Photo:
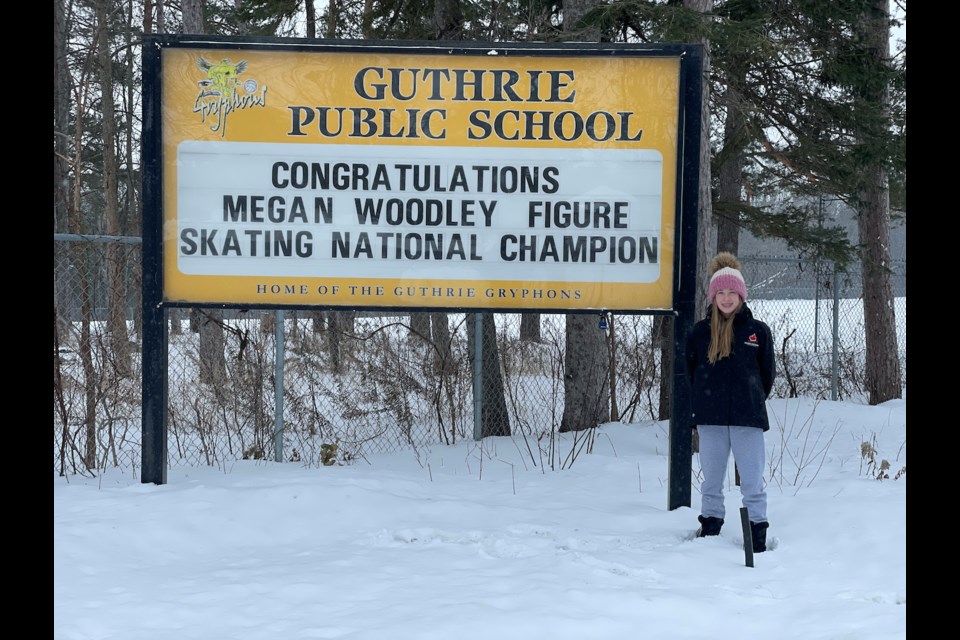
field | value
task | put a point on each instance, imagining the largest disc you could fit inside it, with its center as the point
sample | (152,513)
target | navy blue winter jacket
(732,391)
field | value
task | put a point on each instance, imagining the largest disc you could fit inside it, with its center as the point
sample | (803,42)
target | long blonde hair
(721,333)
(721,327)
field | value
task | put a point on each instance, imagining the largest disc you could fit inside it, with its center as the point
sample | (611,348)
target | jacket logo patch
(752,341)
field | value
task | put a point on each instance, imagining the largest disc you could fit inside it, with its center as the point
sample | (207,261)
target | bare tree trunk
(62,86)
(268,322)
(705,248)
(447,20)
(75,225)
(420,324)
(730,188)
(333,14)
(573,12)
(585,375)
(445,369)
(133,199)
(61,119)
(176,321)
(494,418)
(193,16)
(333,341)
(311,12)
(213,365)
(148,16)
(89,372)
(530,327)
(116,311)
(443,357)
(883,377)
(348,321)
(62,414)
(340,324)
(367,18)
(662,334)
(294,317)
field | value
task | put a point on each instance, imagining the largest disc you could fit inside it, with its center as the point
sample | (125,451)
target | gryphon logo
(221,92)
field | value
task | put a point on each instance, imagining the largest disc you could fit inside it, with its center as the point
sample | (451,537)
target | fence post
(836,335)
(816,306)
(279,350)
(478,376)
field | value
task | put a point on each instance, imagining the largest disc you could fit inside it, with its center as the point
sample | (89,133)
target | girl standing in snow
(731,368)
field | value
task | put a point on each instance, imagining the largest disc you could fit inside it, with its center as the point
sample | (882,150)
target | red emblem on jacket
(753,337)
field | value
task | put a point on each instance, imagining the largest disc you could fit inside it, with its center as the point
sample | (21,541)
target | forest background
(804,101)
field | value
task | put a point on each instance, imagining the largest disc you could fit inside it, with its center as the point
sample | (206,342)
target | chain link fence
(350,385)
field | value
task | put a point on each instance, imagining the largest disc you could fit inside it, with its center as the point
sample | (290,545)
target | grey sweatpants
(716,443)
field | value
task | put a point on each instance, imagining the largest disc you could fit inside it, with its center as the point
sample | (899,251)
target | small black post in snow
(747,537)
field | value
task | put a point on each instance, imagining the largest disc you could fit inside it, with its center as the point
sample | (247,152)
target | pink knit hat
(726,275)
(727,278)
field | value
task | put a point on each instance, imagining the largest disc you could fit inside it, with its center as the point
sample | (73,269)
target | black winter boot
(758,531)
(709,526)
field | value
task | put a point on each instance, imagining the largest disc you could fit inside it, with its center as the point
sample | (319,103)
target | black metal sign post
(685,288)
(153,450)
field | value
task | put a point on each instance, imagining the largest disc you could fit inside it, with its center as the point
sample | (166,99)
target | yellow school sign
(417,176)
